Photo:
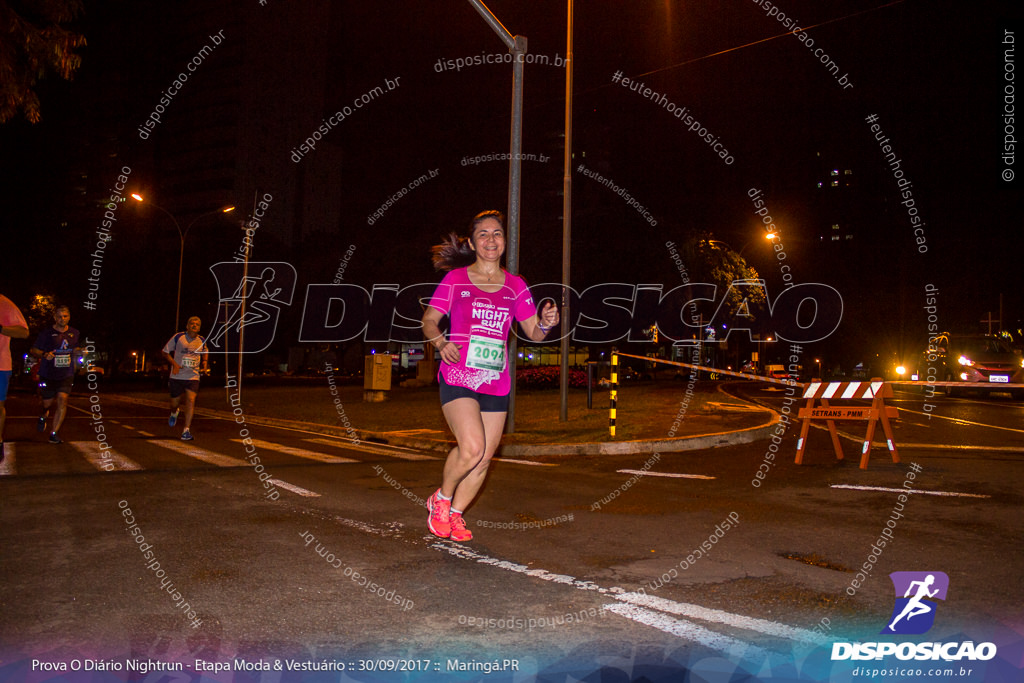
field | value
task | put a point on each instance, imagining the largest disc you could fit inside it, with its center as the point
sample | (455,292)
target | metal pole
(517,45)
(492,21)
(181,260)
(563,384)
(227,358)
(241,317)
(514,176)
(590,384)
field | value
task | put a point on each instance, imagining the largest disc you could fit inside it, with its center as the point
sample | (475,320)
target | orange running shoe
(439,520)
(459,532)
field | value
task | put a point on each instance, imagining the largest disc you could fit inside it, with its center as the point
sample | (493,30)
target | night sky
(932,73)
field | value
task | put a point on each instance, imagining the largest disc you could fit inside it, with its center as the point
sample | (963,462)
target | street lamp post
(517,45)
(181,234)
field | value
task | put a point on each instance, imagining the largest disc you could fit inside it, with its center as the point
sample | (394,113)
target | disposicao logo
(916,595)
(914,613)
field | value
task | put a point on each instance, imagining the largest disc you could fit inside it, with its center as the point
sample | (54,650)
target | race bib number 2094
(486,354)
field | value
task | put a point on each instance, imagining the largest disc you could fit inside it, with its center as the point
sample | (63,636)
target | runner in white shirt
(187,353)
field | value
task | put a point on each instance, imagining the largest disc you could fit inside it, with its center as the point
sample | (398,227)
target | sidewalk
(650,416)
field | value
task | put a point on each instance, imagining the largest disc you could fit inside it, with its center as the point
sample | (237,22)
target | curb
(676,444)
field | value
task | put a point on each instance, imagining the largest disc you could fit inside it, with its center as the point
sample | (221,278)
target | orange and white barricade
(825,392)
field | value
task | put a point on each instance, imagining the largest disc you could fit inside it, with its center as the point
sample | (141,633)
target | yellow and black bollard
(614,394)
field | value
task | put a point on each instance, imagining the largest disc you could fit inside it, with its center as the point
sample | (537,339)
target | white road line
(526,462)
(928,493)
(736,407)
(200,453)
(683,609)
(125,426)
(963,447)
(90,450)
(293,488)
(964,422)
(390,530)
(297,452)
(146,434)
(636,602)
(648,473)
(467,554)
(382,449)
(8,467)
(688,630)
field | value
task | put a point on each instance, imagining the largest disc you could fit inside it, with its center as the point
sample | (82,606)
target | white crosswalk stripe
(114,460)
(298,452)
(104,459)
(380,449)
(198,453)
(225,461)
(8,466)
(294,489)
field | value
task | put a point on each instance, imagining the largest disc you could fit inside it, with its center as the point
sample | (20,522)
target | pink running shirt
(9,316)
(479,324)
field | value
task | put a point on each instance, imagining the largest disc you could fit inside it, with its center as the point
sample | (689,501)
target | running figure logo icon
(916,595)
(250,304)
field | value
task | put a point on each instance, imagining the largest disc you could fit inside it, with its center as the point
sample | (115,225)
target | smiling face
(488,240)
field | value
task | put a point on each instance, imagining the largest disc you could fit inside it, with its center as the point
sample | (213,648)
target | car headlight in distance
(964,360)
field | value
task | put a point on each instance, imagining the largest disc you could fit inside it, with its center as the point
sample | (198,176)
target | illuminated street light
(181,233)
(768,236)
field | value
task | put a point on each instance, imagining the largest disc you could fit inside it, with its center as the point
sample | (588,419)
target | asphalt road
(647,563)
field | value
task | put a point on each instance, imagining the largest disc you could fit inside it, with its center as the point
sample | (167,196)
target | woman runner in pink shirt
(480,300)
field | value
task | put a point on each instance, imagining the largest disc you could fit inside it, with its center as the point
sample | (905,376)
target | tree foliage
(714,262)
(40,312)
(35,43)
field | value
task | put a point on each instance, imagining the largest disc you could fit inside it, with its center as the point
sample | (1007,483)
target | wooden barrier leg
(801,445)
(887,428)
(833,432)
(865,453)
